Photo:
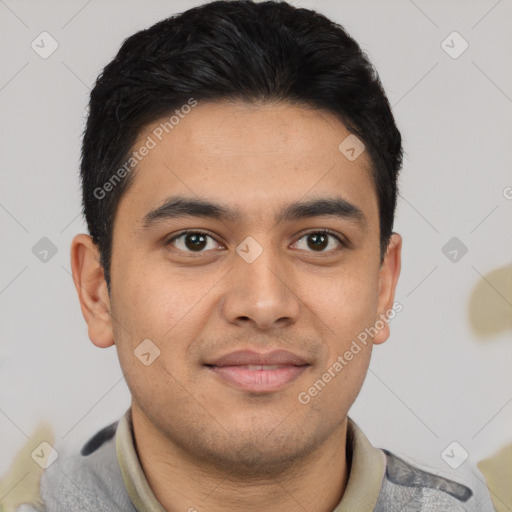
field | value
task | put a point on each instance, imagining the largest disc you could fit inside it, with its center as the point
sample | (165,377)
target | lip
(251,357)
(245,369)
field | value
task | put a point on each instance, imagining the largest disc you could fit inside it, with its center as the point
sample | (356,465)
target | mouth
(257,372)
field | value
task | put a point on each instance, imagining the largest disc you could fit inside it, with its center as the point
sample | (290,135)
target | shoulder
(419,490)
(90,480)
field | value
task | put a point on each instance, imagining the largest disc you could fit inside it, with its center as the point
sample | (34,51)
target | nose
(262,292)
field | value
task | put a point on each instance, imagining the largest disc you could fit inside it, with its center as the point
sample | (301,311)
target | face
(270,276)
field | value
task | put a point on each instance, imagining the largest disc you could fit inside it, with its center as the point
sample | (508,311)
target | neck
(315,483)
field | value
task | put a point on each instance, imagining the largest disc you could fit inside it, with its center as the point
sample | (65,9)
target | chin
(257,454)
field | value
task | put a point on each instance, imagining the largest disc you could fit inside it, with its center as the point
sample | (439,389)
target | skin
(202,442)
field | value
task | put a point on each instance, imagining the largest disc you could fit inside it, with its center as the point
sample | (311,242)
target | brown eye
(192,241)
(195,241)
(319,241)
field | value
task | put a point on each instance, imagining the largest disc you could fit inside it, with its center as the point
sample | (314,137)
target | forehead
(251,157)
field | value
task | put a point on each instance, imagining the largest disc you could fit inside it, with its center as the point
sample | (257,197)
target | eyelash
(343,244)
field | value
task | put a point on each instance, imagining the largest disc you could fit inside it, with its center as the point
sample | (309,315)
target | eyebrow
(178,206)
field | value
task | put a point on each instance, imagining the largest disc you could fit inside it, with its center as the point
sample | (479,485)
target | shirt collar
(134,479)
(367,466)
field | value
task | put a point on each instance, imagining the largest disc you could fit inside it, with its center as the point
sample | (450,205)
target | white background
(443,376)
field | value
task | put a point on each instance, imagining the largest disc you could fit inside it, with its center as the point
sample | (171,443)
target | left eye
(319,240)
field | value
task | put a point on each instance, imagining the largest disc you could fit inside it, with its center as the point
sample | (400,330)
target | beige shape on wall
(490,305)
(21,482)
(497,471)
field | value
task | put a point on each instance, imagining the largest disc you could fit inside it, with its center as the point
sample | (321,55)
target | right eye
(192,241)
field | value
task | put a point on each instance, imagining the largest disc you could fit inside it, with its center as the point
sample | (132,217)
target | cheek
(163,305)
(347,307)
(346,301)
(153,306)
(151,297)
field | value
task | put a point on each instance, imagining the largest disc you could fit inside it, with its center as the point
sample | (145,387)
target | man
(239,173)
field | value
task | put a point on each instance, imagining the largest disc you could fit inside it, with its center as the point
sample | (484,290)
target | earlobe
(92,290)
(388,279)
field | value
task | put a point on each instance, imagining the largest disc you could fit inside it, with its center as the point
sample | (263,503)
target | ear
(388,278)
(92,290)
